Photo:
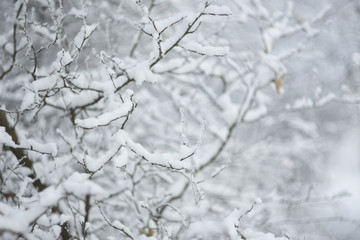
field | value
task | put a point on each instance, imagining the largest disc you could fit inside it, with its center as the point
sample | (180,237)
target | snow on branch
(217,10)
(19,221)
(105,119)
(80,185)
(141,73)
(28,144)
(206,50)
(82,37)
(167,160)
(229,227)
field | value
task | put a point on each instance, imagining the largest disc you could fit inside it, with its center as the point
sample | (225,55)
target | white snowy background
(169,119)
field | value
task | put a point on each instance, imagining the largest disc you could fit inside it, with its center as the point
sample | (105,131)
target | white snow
(50,196)
(6,139)
(105,118)
(217,10)
(48,148)
(75,100)
(94,164)
(167,22)
(206,50)
(82,37)
(230,223)
(56,229)
(63,58)
(169,160)
(41,84)
(143,73)
(122,159)
(64,218)
(9,47)
(19,220)
(119,225)
(44,83)
(80,185)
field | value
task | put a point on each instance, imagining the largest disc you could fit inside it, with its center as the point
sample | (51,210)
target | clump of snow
(63,58)
(82,37)
(44,83)
(80,185)
(64,218)
(50,196)
(122,159)
(49,148)
(206,50)
(9,47)
(5,138)
(105,118)
(94,164)
(20,221)
(75,100)
(175,160)
(41,84)
(56,229)
(28,100)
(217,10)
(231,222)
(142,73)
(129,92)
